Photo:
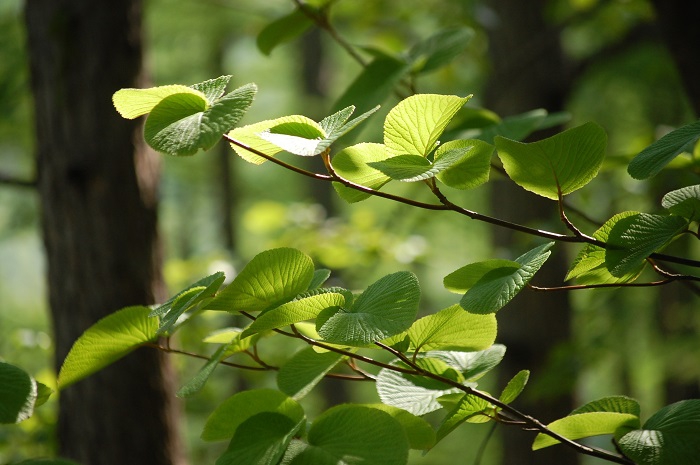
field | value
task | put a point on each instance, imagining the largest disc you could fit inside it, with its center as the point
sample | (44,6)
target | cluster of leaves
(437,359)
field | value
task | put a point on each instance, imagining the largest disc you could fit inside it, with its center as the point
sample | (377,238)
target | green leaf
(565,162)
(472,365)
(463,279)
(669,437)
(235,343)
(684,202)
(419,432)
(387,307)
(303,139)
(213,89)
(491,291)
(652,159)
(223,423)
(470,169)
(520,126)
(304,370)
(416,394)
(181,124)
(270,278)
(283,30)
(105,342)
(188,299)
(202,283)
(469,407)
(406,168)
(320,277)
(632,239)
(439,49)
(250,137)
(295,311)
(453,329)
(514,387)
(260,440)
(196,384)
(584,425)
(354,434)
(337,124)
(619,404)
(416,123)
(43,392)
(374,84)
(18,394)
(352,164)
(589,265)
(132,103)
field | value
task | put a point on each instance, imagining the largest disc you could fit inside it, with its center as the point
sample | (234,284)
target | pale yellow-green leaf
(132,103)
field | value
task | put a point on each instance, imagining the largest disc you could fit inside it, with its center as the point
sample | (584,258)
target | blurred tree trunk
(97,185)
(528,73)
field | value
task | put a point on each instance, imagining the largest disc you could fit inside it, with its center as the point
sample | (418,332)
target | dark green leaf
(18,394)
(652,159)
(283,30)
(635,237)
(304,370)
(520,126)
(196,384)
(439,49)
(684,202)
(419,432)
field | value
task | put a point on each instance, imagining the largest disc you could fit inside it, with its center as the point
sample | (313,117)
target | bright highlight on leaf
(684,202)
(353,164)
(271,277)
(453,329)
(105,342)
(132,103)
(416,123)
(562,163)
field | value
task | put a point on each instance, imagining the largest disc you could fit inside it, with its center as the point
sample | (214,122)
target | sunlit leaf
(105,342)
(562,163)
(472,365)
(416,123)
(470,169)
(514,387)
(132,103)
(352,163)
(188,299)
(453,329)
(271,277)
(469,407)
(584,425)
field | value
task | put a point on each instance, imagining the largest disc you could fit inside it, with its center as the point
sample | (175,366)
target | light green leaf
(320,277)
(43,392)
(387,307)
(283,30)
(416,123)
(498,286)
(619,404)
(652,159)
(632,239)
(419,432)
(213,89)
(336,125)
(301,139)
(585,425)
(406,168)
(684,202)
(270,278)
(463,279)
(260,440)
(250,136)
(181,124)
(589,265)
(105,342)
(132,103)
(223,423)
(453,329)
(470,169)
(295,311)
(354,434)
(304,370)
(514,387)
(469,407)
(202,283)
(188,299)
(235,343)
(439,49)
(565,162)
(375,83)
(472,365)
(669,437)
(352,164)
(18,394)
(416,394)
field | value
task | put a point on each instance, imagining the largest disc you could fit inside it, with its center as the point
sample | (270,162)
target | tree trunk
(97,185)
(529,73)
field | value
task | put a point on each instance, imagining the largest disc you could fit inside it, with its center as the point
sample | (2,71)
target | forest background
(611,66)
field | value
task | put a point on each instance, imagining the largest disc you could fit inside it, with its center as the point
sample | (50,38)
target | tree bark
(529,72)
(97,185)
